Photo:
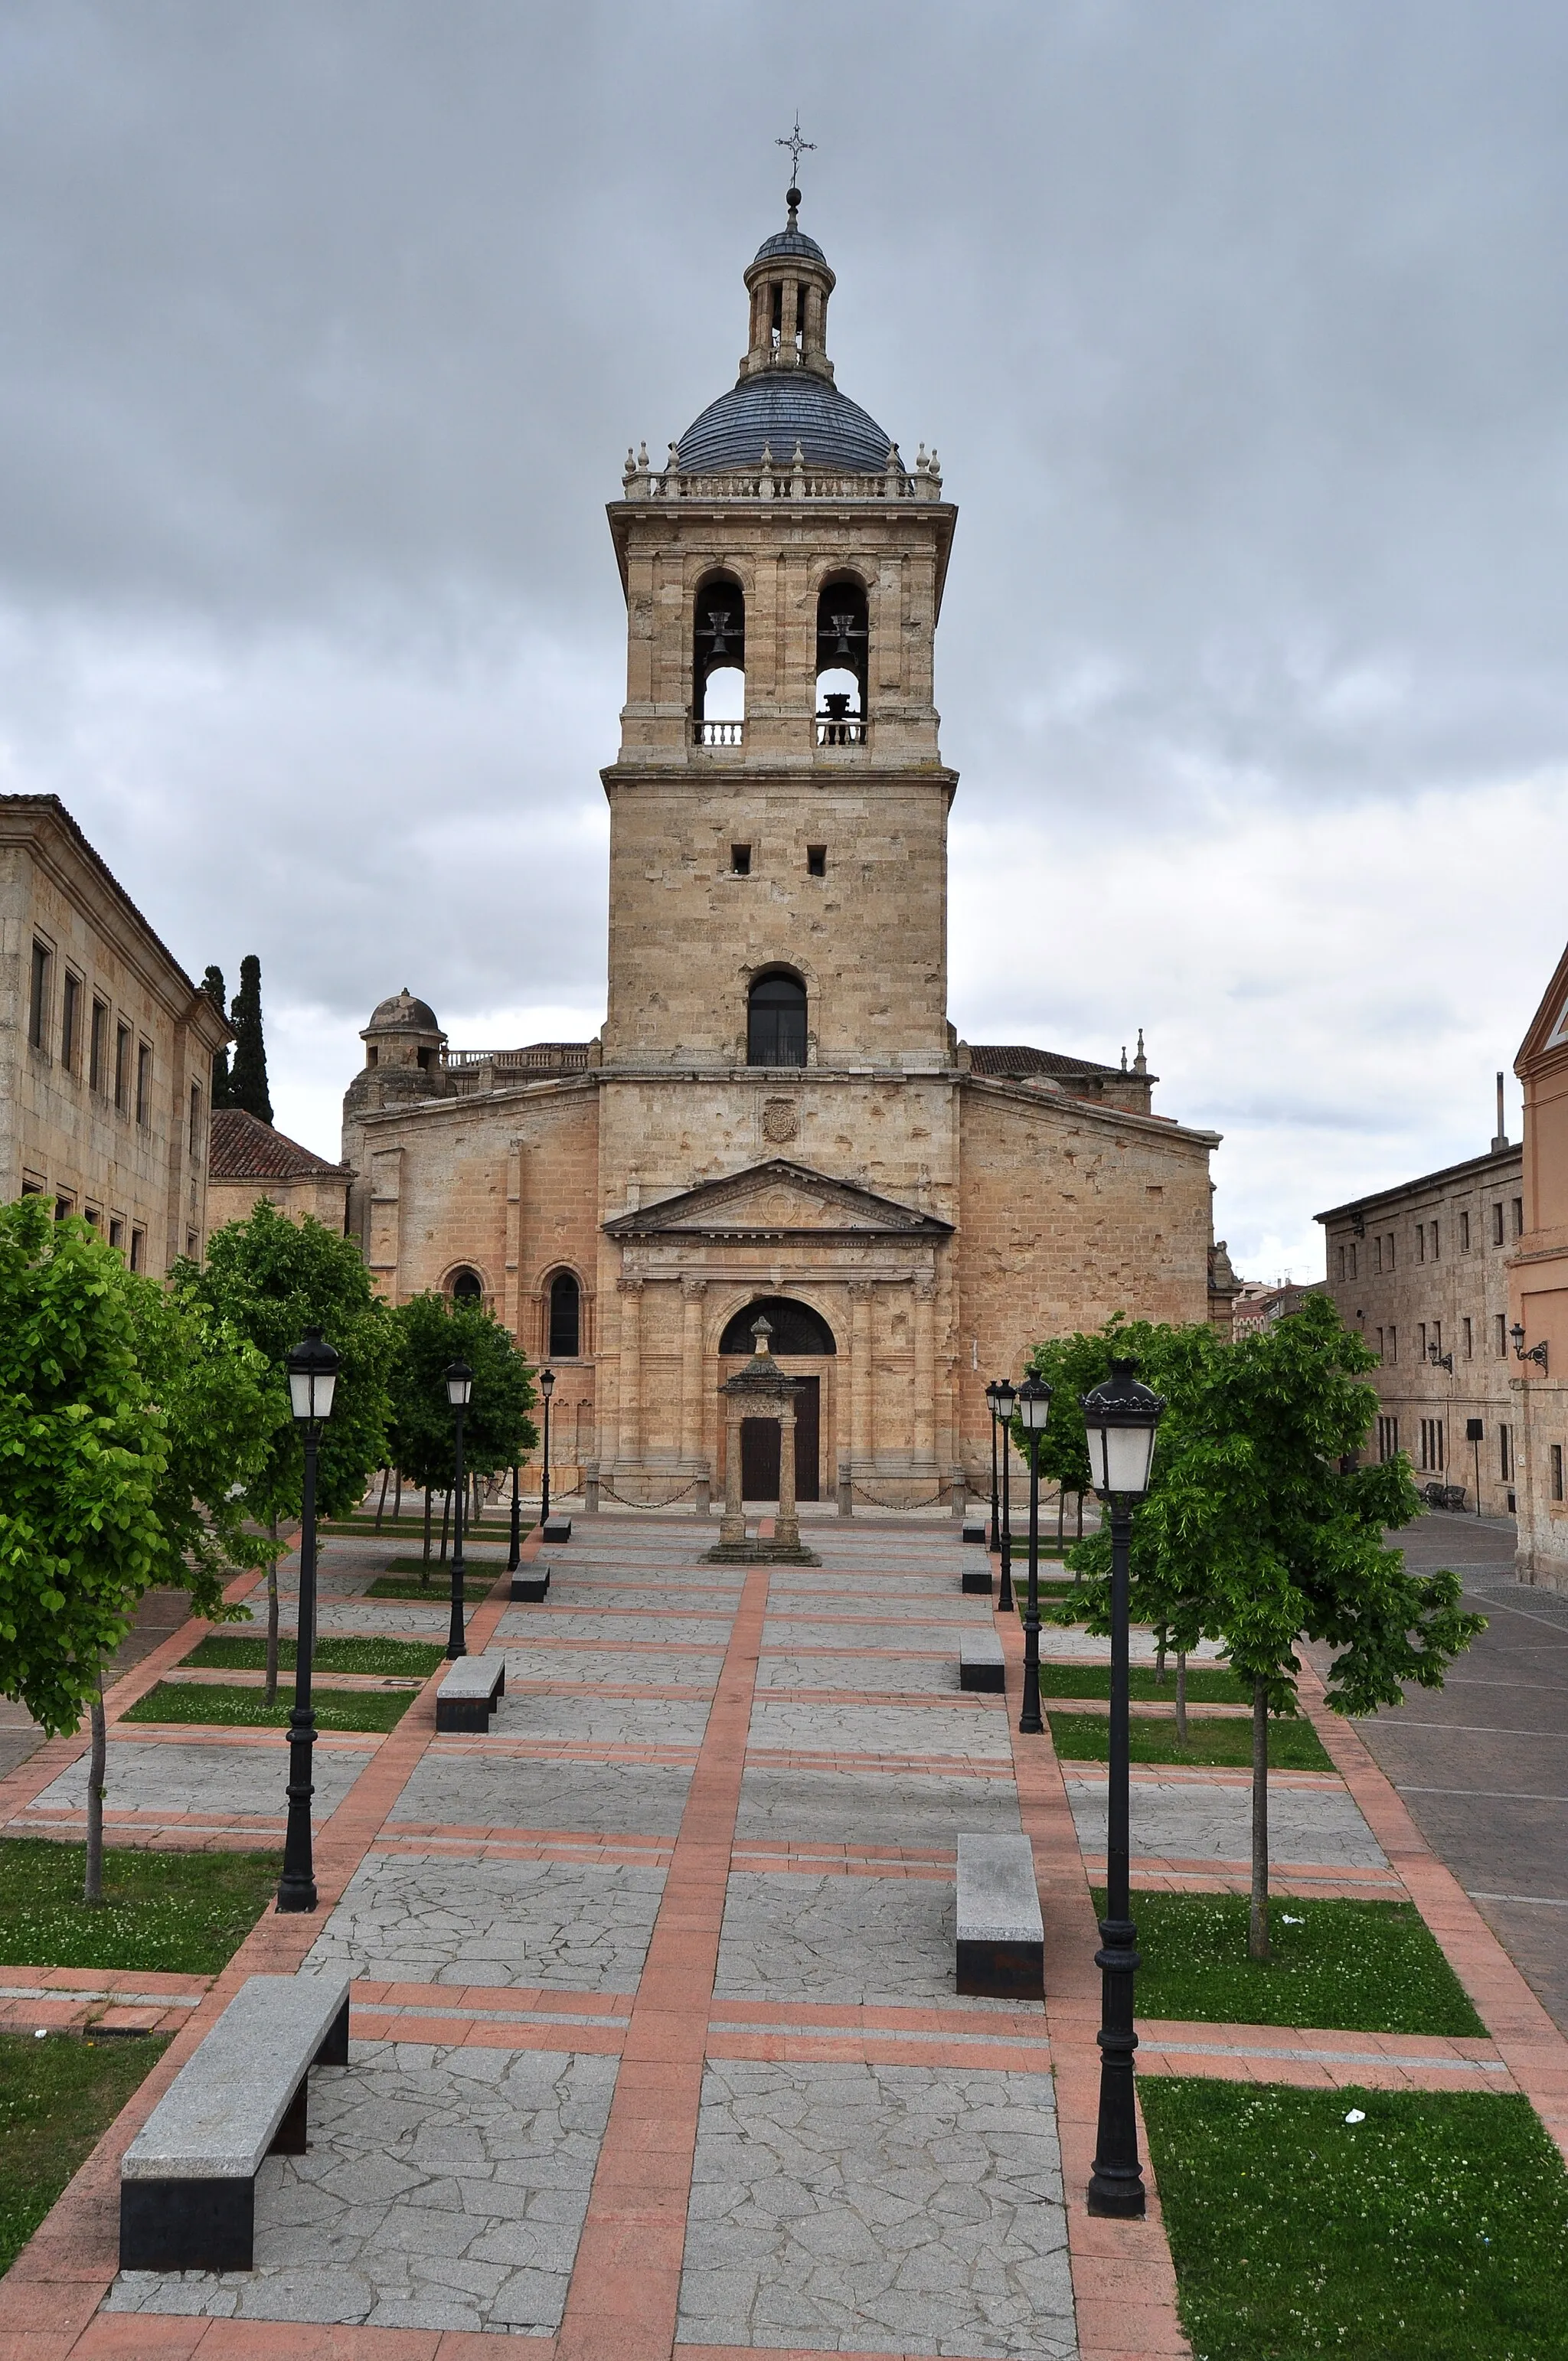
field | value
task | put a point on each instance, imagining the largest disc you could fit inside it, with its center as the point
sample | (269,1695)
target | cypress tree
(249,1083)
(212,986)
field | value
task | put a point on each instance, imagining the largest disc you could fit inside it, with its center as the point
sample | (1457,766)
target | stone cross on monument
(762,1389)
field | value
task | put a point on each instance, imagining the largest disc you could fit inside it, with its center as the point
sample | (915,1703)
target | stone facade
(777,1107)
(249,1160)
(1422,1272)
(1538,1293)
(105,1046)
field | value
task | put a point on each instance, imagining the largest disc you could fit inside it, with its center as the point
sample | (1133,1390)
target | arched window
(566,1317)
(796,1327)
(843,640)
(775,1021)
(718,662)
(467,1286)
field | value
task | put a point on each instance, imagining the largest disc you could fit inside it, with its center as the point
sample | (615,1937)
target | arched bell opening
(776,1019)
(718,662)
(843,646)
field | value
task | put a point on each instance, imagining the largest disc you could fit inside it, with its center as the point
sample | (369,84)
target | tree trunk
(398,1500)
(1160,1662)
(381,1503)
(1080,1516)
(1061,1517)
(92,1884)
(424,1569)
(446,1519)
(1182,1696)
(272,1622)
(1258,1927)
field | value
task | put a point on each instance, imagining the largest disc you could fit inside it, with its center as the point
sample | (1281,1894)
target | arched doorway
(803,1342)
(467,1286)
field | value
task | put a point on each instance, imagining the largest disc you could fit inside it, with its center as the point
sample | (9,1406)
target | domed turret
(403,1036)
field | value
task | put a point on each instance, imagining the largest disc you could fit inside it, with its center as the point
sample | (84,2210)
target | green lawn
(439,1587)
(56,2097)
(1226,1745)
(179,1913)
(1206,1684)
(216,1702)
(230,1652)
(1365,1967)
(1435,2230)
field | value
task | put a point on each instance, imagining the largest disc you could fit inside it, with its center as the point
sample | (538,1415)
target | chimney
(1501,1140)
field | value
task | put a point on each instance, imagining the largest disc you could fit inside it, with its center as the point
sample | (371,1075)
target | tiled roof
(1013,1062)
(243,1147)
(779,409)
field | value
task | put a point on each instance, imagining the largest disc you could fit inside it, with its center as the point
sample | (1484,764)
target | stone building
(105,1046)
(777,1113)
(1538,1293)
(249,1159)
(1422,1271)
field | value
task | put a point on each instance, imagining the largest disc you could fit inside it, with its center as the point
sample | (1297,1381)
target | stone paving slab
(603,1720)
(876,1942)
(877,2208)
(1192,1821)
(568,1925)
(547,1625)
(895,1675)
(918,1809)
(595,1666)
(476,1788)
(977,1730)
(444,2189)
(182,1775)
(927,1637)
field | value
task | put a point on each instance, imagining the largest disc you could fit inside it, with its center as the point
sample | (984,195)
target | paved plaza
(655,2038)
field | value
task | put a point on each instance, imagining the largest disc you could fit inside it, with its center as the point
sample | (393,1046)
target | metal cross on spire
(798,148)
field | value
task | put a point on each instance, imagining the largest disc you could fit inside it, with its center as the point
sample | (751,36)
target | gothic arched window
(775,1021)
(467,1286)
(718,660)
(566,1317)
(843,642)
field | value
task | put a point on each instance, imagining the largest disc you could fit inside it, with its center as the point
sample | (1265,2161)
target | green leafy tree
(266,1279)
(497,1430)
(248,1081)
(1260,1528)
(223,1091)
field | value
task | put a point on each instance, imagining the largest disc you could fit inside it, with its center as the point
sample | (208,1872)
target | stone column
(693,1293)
(861,1295)
(627,1447)
(732,1526)
(925,1372)
(786,1524)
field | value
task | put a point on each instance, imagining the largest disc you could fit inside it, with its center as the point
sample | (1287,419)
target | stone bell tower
(778,807)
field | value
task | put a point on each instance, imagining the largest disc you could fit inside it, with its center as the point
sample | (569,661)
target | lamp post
(515,1552)
(1034,1409)
(1005,1398)
(459,1391)
(1120,1418)
(313,1379)
(992,1398)
(546,1386)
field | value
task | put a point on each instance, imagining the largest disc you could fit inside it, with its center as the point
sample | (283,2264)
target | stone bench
(188,2178)
(975,1581)
(975,1534)
(557,1529)
(982,1664)
(1002,1937)
(466,1697)
(531,1583)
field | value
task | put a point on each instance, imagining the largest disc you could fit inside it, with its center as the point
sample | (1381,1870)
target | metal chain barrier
(609,1492)
(872,1500)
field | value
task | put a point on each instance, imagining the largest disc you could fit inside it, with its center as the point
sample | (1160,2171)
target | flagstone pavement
(655,2045)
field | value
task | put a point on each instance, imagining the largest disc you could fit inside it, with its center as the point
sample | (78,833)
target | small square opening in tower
(740,860)
(816,860)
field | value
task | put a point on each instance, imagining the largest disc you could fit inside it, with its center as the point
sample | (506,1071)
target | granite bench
(975,1534)
(1002,1937)
(188,2178)
(981,1661)
(466,1697)
(557,1529)
(975,1580)
(531,1583)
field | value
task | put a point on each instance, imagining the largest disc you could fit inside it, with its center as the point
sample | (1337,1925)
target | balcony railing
(841,730)
(718,733)
(785,479)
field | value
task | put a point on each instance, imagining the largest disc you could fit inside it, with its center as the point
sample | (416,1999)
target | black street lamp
(546,1386)
(1120,1418)
(459,1391)
(313,1379)
(992,1393)
(1034,1409)
(1005,1398)
(515,1553)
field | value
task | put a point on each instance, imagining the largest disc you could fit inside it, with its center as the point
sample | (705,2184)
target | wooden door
(808,1439)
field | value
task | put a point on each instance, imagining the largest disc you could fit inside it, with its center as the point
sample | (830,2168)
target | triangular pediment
(1548,1027)
(776,1199)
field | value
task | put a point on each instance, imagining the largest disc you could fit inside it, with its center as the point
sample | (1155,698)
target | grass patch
(57,2096)
(1358,1967)
(232,1652)
(1215,1745)
(1206,1684)
(1436,2230)
(439,1588)
(213,1702)
(176,1912)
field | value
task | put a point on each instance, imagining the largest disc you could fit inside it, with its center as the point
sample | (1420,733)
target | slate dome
(780,408)
(790,241)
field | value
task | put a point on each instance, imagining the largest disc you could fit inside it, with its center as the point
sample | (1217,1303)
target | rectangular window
(1393,1344)
(1557,1471)
(1506,1453)
(1387,1438)
(1377,1254)
(190,1244)
(1421,1242)
(1380,1344)
(1421,1340)
(816,860)
(1463,1232)
(195,1119)
(144,1084)
(1431,1446)
(1469,1334)
(1435,1241)
(1352,1261)
(740,861)
(95,1217)
(1341,1262)
(1388,1252)
(123,1068)
(1519,1217)
(1498,1223)
(37,1006)
(70,1023)
(1500,1335)
(116,1232)
(139,1248)
(1437,1335)
(62,1207)
(98,1045)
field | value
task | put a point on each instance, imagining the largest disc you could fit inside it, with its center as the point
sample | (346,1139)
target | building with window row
(1538,1292)
(106,1047)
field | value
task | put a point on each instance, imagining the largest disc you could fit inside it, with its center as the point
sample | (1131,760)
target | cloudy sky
(1243,332)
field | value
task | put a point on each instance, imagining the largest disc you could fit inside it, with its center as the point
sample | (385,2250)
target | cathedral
(776,1118)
